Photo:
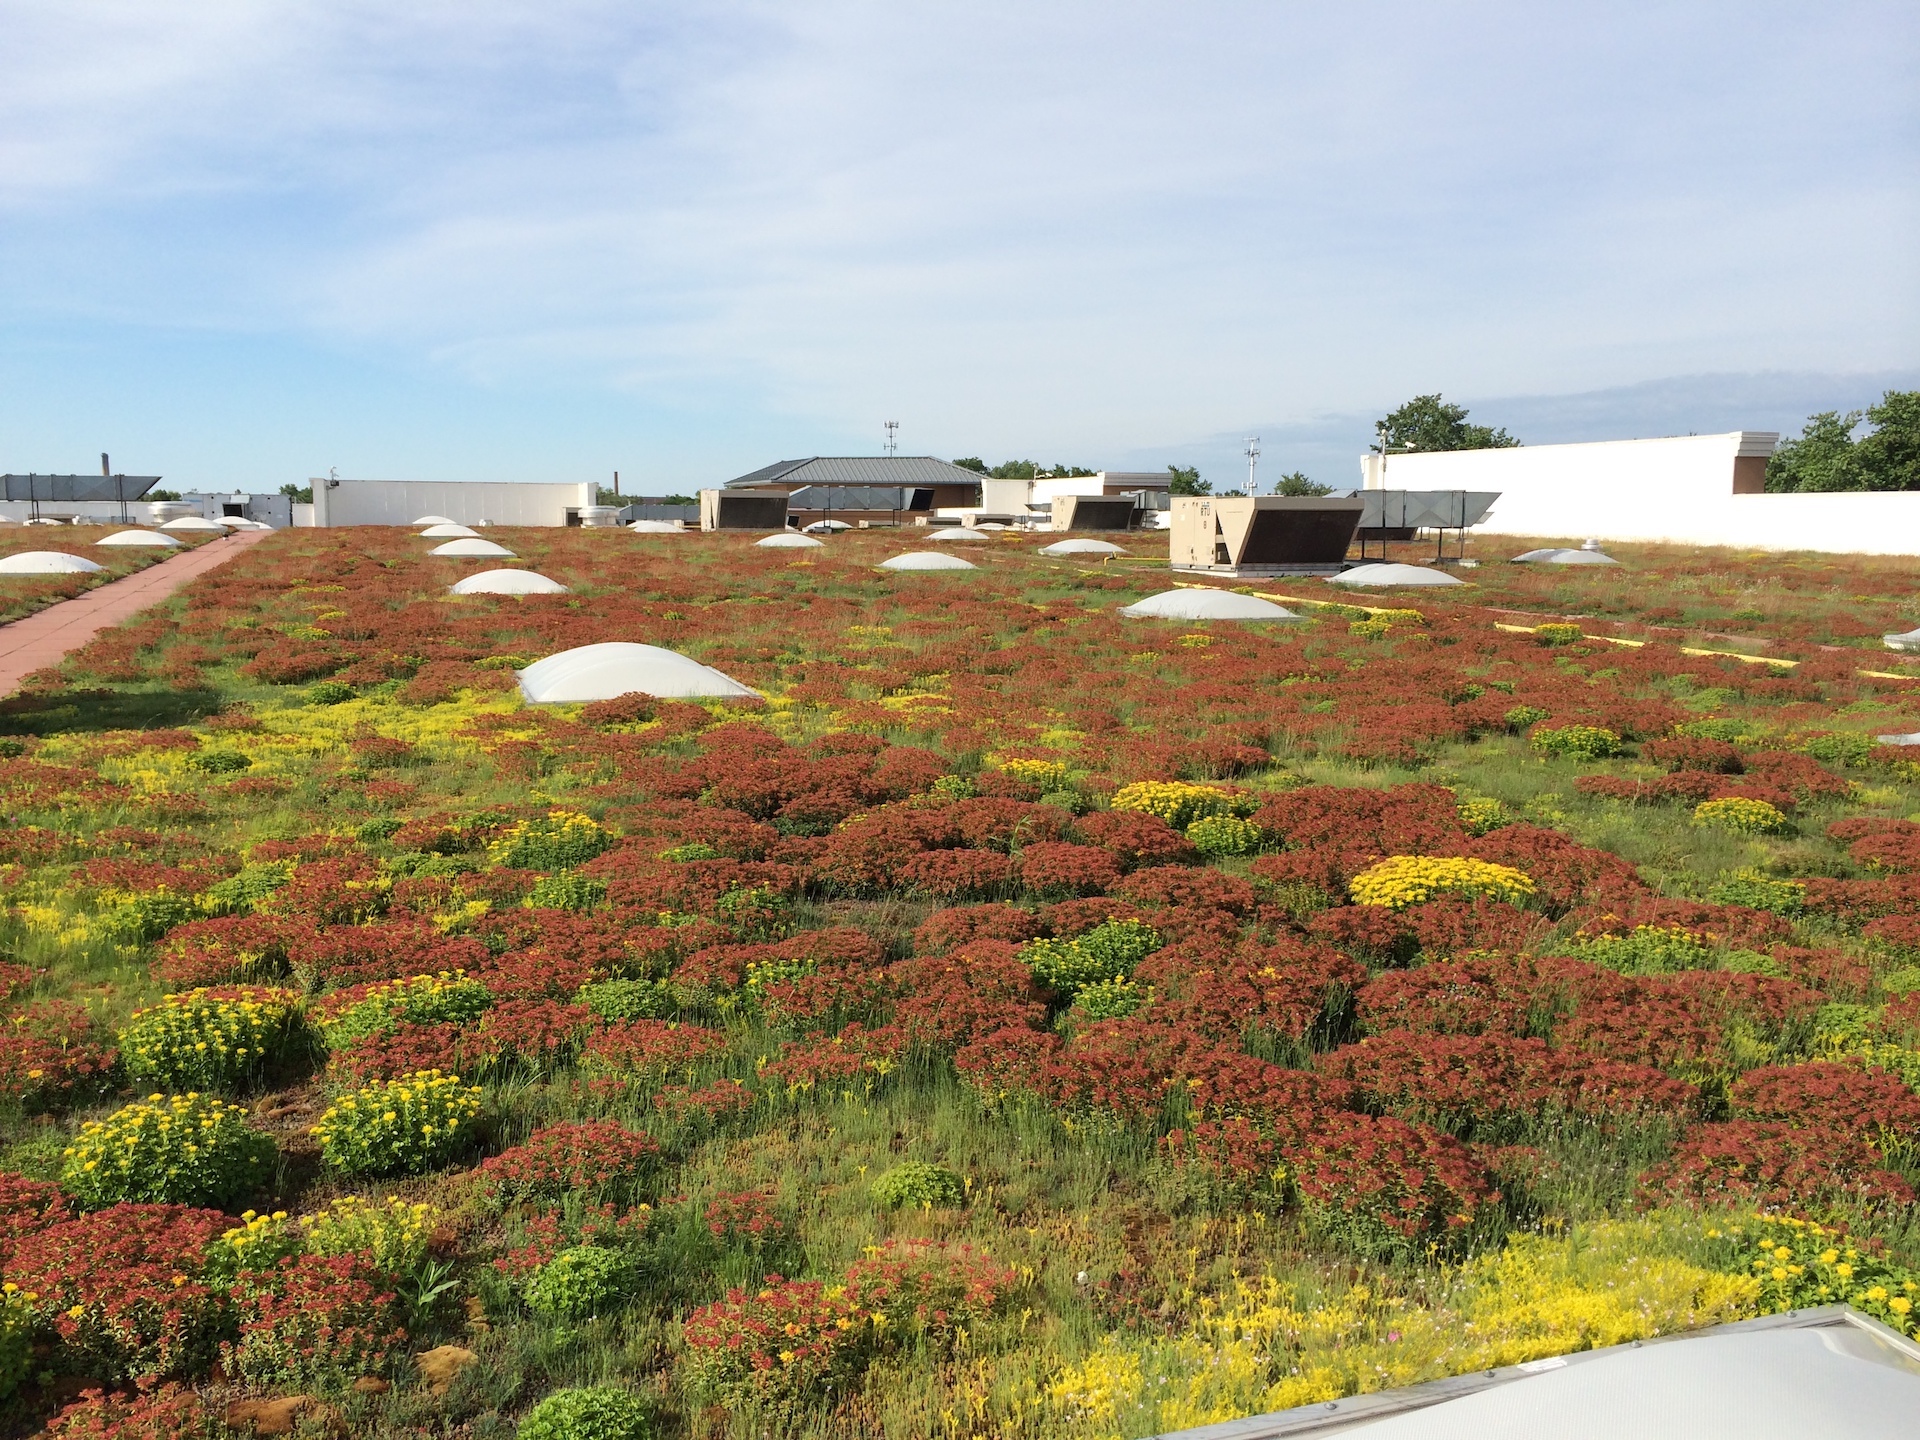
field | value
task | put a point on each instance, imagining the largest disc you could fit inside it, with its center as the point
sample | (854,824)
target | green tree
(1013,470)
(1185,480)
(1827,457)
(973,463)
(1427,422)
(299,494)
(1889,458)
(1296,483)
(1822,459)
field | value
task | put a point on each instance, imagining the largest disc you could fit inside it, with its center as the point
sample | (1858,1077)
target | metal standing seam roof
(884,470)
(74,488)
(861,497)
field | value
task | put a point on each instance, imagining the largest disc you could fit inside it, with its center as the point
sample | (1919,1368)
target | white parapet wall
(1688,490)
(465,502)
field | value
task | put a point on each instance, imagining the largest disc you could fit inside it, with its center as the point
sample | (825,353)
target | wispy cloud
(1074,226)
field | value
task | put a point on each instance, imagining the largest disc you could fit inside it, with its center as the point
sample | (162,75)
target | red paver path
(48,636)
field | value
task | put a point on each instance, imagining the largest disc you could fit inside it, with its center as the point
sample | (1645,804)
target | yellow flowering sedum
(187,1149)
(199,1041)
(1403,880)
(559,840)
(1178,802)
(1740,815)
(1042,774)
(1799,1264)
(1262,1346)
(394,1232)
(399,1127)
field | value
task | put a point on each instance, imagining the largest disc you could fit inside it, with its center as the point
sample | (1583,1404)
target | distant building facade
(1685,489)
(465,502)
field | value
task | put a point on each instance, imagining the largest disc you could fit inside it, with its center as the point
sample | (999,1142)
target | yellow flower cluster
(1403,880)
(395,1233)
(1800,1264)
(1741,815)
(1259,1345)
(206,1042)
(396,1127)
(186,1149)
(1178,802)
(558,841)
(1480,814)
(1042,774)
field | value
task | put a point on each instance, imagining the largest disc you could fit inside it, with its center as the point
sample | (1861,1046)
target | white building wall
(1677,490)
(401,502)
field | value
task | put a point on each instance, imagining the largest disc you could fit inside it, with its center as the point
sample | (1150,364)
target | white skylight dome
(926,560)
(827,527)
(958,532)
(1909,641)
(47,562)
(1394,575)
(1204,604)
(433,520)
(656,527)
(1533,557)
(789,540)
(194,523)
(138,537)
(447,530)
(1082,547)
(615,668)
(507,582)
(473,549)
(1582,556)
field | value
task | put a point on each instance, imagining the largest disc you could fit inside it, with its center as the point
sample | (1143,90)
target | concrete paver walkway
(47,636)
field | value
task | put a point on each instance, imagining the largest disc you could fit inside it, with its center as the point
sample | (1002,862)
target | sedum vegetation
(1025,1022)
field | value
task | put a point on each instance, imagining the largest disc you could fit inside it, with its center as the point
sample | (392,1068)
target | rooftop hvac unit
(743,509)
(1263,534)
(1093,512)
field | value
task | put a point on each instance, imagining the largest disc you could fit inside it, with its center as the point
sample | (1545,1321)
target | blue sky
(242,243)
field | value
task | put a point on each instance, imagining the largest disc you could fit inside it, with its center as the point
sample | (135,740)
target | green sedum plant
(630,999)
(918,1185)
(580,1283)
(187,1149)
(16,1338)
(399,1127)
(1758,892)
(600,1413)
(566,891)
(448,997)
(1109,951)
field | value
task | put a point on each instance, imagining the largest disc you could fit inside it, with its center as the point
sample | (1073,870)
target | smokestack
(616,482)
(104,469)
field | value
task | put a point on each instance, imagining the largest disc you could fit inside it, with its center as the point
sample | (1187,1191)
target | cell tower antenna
(1253,462)
(893,442)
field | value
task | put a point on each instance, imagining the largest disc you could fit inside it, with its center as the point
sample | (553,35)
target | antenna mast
(1253,462)
(893,430)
